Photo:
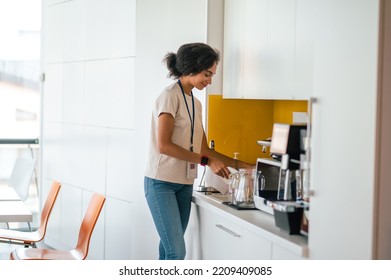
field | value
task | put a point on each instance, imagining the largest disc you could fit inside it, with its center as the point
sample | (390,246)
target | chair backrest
(48,206)
(21,176)
(88,224)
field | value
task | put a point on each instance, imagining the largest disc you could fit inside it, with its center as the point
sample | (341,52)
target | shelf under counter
(256,221)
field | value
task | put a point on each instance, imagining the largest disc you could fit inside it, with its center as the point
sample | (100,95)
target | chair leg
(32,245)
(8,227)
(35,171)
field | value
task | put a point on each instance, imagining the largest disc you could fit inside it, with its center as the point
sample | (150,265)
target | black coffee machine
(277,175)
(279,182)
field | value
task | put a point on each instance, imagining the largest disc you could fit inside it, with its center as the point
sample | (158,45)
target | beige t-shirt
(163,167)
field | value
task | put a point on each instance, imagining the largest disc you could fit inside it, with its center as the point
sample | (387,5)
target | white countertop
(256,221)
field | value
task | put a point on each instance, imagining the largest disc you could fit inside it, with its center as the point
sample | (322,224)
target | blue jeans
(170,205)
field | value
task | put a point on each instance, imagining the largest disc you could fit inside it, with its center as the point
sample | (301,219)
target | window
(20,87)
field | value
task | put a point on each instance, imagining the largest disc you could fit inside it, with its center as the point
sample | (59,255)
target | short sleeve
(167,102)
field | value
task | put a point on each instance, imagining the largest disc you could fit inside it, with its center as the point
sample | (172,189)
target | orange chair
(81,250)
(31,238)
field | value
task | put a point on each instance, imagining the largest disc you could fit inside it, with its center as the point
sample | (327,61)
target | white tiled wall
(73,31)
(109,93)
(53,33)
(73,93)
(89,29)
(54,2)
(52,152)
(109,28)
(72,159)
(88,118)
(97,108)
(94,159)
(52,96)
(71,214)
(120,163)
(119,226)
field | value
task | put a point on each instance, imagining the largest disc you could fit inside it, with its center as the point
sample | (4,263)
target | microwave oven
(273,183)
(268,170)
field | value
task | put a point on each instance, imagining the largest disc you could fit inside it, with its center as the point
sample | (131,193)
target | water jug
(244,197)
(233,184)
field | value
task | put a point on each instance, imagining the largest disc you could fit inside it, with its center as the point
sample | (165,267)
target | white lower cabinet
(255,247)
(222,239)
(279,253)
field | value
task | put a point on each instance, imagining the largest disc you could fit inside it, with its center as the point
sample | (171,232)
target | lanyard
(188,111)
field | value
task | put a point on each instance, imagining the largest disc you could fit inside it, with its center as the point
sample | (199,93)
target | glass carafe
(233,184)
(245,192)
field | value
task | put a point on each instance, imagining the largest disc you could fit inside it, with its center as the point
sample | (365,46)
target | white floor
(5,251)
(32,204)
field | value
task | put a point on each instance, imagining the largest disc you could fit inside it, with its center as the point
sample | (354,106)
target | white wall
(344,122)
(102,60)
(88,115)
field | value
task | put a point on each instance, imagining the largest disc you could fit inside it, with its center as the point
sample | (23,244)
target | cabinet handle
(227,230)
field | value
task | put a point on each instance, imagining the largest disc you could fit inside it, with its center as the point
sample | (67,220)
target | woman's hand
(218,167)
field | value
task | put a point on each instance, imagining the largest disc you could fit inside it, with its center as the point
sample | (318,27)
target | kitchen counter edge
(258,222)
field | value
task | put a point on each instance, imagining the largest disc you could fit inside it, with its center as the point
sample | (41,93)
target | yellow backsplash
(236,125)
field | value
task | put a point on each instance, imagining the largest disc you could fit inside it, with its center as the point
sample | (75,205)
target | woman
(178,144)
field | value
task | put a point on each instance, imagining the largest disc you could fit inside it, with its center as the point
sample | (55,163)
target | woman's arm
(227,161)
(217,162)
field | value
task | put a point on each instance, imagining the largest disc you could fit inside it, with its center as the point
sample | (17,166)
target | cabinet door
(220,238)
(280,49)
(256,247)
(259,49)
(233,49)
(255,78)
(304,50)
(279,253)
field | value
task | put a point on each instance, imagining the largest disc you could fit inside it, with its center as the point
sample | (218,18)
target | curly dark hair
(190,59)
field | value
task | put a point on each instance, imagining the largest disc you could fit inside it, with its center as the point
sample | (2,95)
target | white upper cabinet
(304,49)
(233,48)
(280,53)
(255,47)
(267,49)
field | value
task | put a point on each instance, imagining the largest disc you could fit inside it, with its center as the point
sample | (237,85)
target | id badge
(192,170)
